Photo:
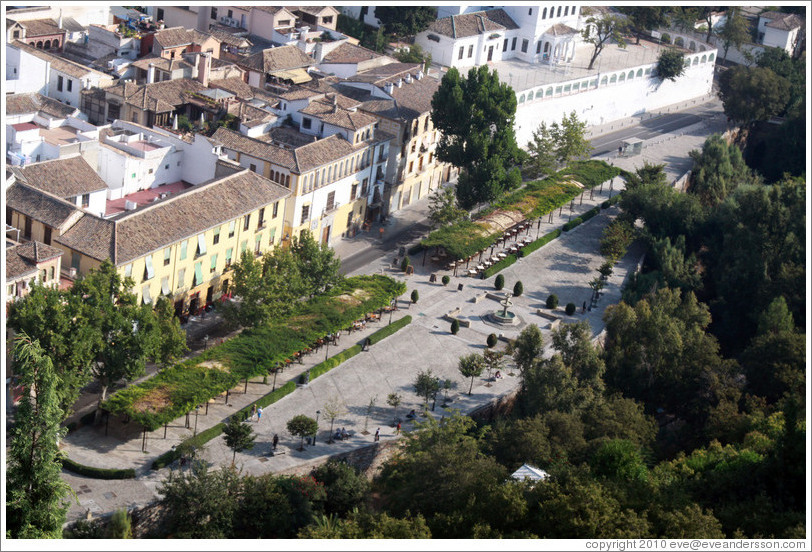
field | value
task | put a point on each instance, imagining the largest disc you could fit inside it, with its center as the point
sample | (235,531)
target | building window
(229,252)
(275,209)
(305,213)
(559,12)
(201,245)
(59,81)
(283,23)
(252,167)
(470,50)
(353,191)
(530,12)
(47,238)
(213,263)
(230,13)
(167,255)
(149,270)
(307,123)
(462,51)
(159,13)
(247,221)
(52,272)
(349,218)
(113,111)
(75,260)
(331,199)
(505,46)
(327,20)
(513,44)
(544,14)
(566,11)
(214,13)
(216,238)
(231,226)
(183,246)
(27,228)
(70,85)
(261,222)
(414,146)
(524,45)
(538,47)
(364,187)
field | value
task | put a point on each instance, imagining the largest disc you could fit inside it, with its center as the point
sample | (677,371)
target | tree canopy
(600,31)
(670,64)
(404,21)
(752,94)
(475,117)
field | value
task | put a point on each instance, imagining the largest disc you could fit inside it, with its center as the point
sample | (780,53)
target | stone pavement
(564,266)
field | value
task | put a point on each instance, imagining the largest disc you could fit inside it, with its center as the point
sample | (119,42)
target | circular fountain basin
(503,318)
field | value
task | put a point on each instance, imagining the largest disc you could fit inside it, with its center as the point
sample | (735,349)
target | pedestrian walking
(275,440)
(253,412)
(381,231)
(378,434)
(583,309)
(259,414)
(397,429)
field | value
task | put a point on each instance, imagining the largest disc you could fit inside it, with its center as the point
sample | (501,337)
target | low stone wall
(368,459)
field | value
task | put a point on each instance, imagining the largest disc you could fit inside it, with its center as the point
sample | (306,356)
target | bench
(554,320)
(478,298)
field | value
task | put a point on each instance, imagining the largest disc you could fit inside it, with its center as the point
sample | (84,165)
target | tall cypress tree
(36,495)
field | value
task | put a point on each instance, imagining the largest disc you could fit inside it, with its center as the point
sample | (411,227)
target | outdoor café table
(502,255)
(471,272)
(480,267)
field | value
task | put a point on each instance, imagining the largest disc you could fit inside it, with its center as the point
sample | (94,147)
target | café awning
(297,76)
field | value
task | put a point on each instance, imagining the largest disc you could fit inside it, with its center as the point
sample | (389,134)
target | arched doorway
(47,44)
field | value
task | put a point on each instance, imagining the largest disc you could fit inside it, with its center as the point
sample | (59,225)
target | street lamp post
(318,412)
(326,348)
(205,342)
(197,410)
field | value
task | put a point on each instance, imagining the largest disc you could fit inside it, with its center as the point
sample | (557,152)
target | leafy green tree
(492,360)
(443,208)
(735,32)
(426,386)
(35,493)
(751,94)
(551,385)
(689,522)
(345,487)
(574,343)
(780,63)
(238,436)
(471,366)
(367,525)
(475,117)
(332,409)
(570,138)
(455,326)
(414,54)
(65,332)
(404,21)
(678,269)
(127,334)
(670,64)
(618,417)
(617,237)
(415,296)
(173,345)
(277,507)
(644,19)
(514,442)
(120,525)
(302,426)
(527,348)
(620,460)
(542,159)
(318,265)
(499,282)
(394,400)
(718,169)
(602,30)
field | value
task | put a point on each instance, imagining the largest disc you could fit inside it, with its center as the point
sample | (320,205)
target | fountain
(505,317)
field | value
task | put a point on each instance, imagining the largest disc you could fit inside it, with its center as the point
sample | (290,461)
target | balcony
(329,209)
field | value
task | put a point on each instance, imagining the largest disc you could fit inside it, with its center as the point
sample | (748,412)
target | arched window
(538,47)
(521,98)
(639,73)
(539,93)
(287,181)
(566,11)
(544,14)
(679,41)
(47,44)
(559,12)
(603,81)
(622,77)
(696,61)
(704,59)
(613,79)
(330,174)
(692,46)
(549,91)
(710,57)
(39,44)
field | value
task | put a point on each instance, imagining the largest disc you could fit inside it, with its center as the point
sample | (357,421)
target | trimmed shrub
(665,38)
(446,279)
(404,263)
(499,283)
(501,265)
(518,289)
(96,473)
(570,309)
(591,213)
(605,204)
(542,241)
(455,326)
(386,331)
(573,223)
(492,340)
(415,296)
(552,301)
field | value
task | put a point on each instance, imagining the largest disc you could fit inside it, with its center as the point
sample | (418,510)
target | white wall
(779,39)
(25,73)
(612,101)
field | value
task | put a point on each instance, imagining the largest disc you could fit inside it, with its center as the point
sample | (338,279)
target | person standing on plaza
(253,412)
(378,434)
(275,441)
(397,429)
(259,414)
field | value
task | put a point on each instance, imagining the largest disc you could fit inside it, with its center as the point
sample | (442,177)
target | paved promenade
(564,267)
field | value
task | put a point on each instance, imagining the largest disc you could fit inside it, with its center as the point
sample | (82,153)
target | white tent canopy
(530,473)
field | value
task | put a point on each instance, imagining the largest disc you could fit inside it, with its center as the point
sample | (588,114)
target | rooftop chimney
(151,73)
(400,83)
(408,78)
(419,75)
(204,68)
(389,88)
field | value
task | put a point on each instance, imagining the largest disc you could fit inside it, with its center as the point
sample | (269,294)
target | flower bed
(178,389)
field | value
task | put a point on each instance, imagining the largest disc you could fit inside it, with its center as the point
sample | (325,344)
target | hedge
(542,241)
(96,473)
(180,388)
(319,369)
(501,265)
(572,224)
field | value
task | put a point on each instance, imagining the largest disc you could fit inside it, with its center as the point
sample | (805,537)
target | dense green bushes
(96,473)
(388,330)
(542,241)
(501,265)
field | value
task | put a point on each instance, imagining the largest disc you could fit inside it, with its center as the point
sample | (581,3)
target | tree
(644,18)
(499,282)
(404,21)
(542,159)
(370,405)
(346,488)
(415,296)
(318,265)
(602,30)
(619,460)
(492,340)
(120,525)
(780,63)
(200,503)
(475,118)
(128,334)
(278,507)
(571,144)
(366,525)
(735,32)
(678,269)
(238,436)
(172,346)
(527,348)
(492,360)
(471,366)
(35,499)
(718,170)
(443,208)
(332,409)
(65,331)
(426,386)
(617,237)
(455,326)
(302,426)
(670,64)
(414,54)
(751,94)
(574,343)
(394,400)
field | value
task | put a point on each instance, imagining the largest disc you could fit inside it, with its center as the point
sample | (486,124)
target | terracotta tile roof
(391,72)
(22,259)
(70,68)
(298,159)
(559,29)
(173,37)
(251,115)
(472,24)
(312,10)
(783,21)
(40,27)
(159,96)
(339,114)
(235,85)
(17,104)
(160,63)
(154,227)
(65,178)
(228,38)
(414,99)
(199,37)
(350,53)
(275,59)
(41,206)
